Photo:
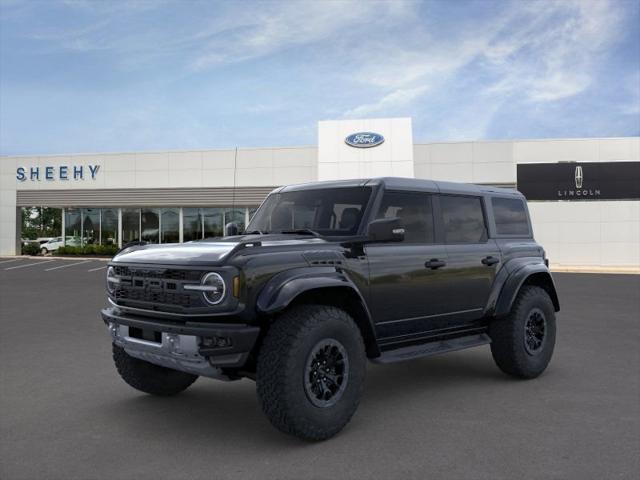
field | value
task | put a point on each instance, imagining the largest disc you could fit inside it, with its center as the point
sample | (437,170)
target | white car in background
(56,242)
(52,245)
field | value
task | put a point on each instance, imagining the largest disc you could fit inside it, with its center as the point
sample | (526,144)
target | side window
(510,216)
(463,219)
(414,211)
(346,217)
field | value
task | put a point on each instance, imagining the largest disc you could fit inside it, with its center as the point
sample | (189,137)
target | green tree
(41,222)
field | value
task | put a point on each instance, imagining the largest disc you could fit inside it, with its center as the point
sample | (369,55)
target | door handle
(435,263)
(488,261)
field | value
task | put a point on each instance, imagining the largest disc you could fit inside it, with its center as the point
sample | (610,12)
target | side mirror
(231,229)
(385,230)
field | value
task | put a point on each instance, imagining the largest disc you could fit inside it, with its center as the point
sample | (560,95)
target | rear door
(473,258)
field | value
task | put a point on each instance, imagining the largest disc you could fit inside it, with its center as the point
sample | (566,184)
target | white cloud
(272,27)
(552,53)
(395,99)
(537,51)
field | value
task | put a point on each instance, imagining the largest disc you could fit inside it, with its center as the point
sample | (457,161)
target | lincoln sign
(580,181)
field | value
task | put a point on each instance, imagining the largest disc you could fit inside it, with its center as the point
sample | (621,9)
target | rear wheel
(522,343)
(150,378)
(44,251)
(311,371)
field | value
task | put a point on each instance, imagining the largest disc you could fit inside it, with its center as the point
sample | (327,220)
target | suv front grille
(158,289)
(183,300)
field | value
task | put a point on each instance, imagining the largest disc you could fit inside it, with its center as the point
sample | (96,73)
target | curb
(54,257)
(610,270)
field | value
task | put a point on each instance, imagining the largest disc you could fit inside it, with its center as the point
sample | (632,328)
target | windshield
(328,212)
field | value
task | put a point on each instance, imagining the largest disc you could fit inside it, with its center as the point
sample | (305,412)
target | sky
(112,76)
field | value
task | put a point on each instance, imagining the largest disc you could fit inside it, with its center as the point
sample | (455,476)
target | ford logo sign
(364,139)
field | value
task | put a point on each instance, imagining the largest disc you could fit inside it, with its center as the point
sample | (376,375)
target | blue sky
(85,76)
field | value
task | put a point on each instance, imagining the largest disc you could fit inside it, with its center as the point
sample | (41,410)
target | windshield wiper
(302,231)
(253,232)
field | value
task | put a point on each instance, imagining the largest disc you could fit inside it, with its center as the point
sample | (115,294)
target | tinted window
(463,219)
(330,211)
(511,216)
(414,211)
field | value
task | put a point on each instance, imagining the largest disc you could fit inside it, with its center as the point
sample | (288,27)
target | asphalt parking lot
(65,413)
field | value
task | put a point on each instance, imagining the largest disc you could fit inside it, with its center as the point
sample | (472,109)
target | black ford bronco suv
(326,276)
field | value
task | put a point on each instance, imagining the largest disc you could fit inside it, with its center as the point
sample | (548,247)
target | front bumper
(195,347)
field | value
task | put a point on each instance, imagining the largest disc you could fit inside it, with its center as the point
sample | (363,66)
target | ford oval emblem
(364,139)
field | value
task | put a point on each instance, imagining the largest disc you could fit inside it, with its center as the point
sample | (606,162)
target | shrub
(31,249)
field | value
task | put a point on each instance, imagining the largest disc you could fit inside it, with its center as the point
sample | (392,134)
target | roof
(402,183)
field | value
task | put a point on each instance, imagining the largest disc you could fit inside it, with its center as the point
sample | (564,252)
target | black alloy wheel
(327,373)
(535,329)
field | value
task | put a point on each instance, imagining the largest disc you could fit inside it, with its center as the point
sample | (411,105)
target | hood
(206,252)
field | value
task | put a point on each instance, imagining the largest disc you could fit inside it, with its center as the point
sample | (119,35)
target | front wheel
(44,251)
(310,371)
(522,343)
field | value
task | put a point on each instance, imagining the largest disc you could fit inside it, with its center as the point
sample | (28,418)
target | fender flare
(517,278)
(283,288)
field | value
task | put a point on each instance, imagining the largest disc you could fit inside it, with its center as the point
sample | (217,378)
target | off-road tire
(150,378)
(281,371)
(508,335)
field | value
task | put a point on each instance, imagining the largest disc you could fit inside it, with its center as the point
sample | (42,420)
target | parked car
(326,276)
(51,245)
(55,243)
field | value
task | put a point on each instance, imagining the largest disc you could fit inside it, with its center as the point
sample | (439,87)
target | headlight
(212,287)
(112,280)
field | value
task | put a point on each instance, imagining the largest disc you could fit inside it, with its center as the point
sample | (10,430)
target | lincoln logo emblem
(579,177)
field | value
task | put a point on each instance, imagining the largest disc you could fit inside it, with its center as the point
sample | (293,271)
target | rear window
(463,219)
(511,216)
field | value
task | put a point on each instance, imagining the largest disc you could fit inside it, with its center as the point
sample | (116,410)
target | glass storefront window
(86,226)
(191,224)
(90,226)
(237,216)
(130,225)
(72,226)
(213,222)
(170,224)
(150,225)
(109,226)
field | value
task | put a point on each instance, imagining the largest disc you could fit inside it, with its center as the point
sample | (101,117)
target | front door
(406,282)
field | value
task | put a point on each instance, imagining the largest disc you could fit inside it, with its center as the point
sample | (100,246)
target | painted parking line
(65,266)
(96,269)
(9,261)
(30,264)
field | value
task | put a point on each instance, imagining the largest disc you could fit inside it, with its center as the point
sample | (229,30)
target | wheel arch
(325,286)
(537,275)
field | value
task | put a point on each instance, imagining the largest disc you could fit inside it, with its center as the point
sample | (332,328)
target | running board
(432,348)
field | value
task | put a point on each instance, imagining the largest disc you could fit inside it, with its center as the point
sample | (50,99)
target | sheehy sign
(580,181)
(60,172)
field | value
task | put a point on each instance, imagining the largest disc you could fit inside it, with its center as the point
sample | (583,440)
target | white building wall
(200,168)
(472,162)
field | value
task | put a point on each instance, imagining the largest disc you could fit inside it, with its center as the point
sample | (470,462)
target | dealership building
(583,194)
